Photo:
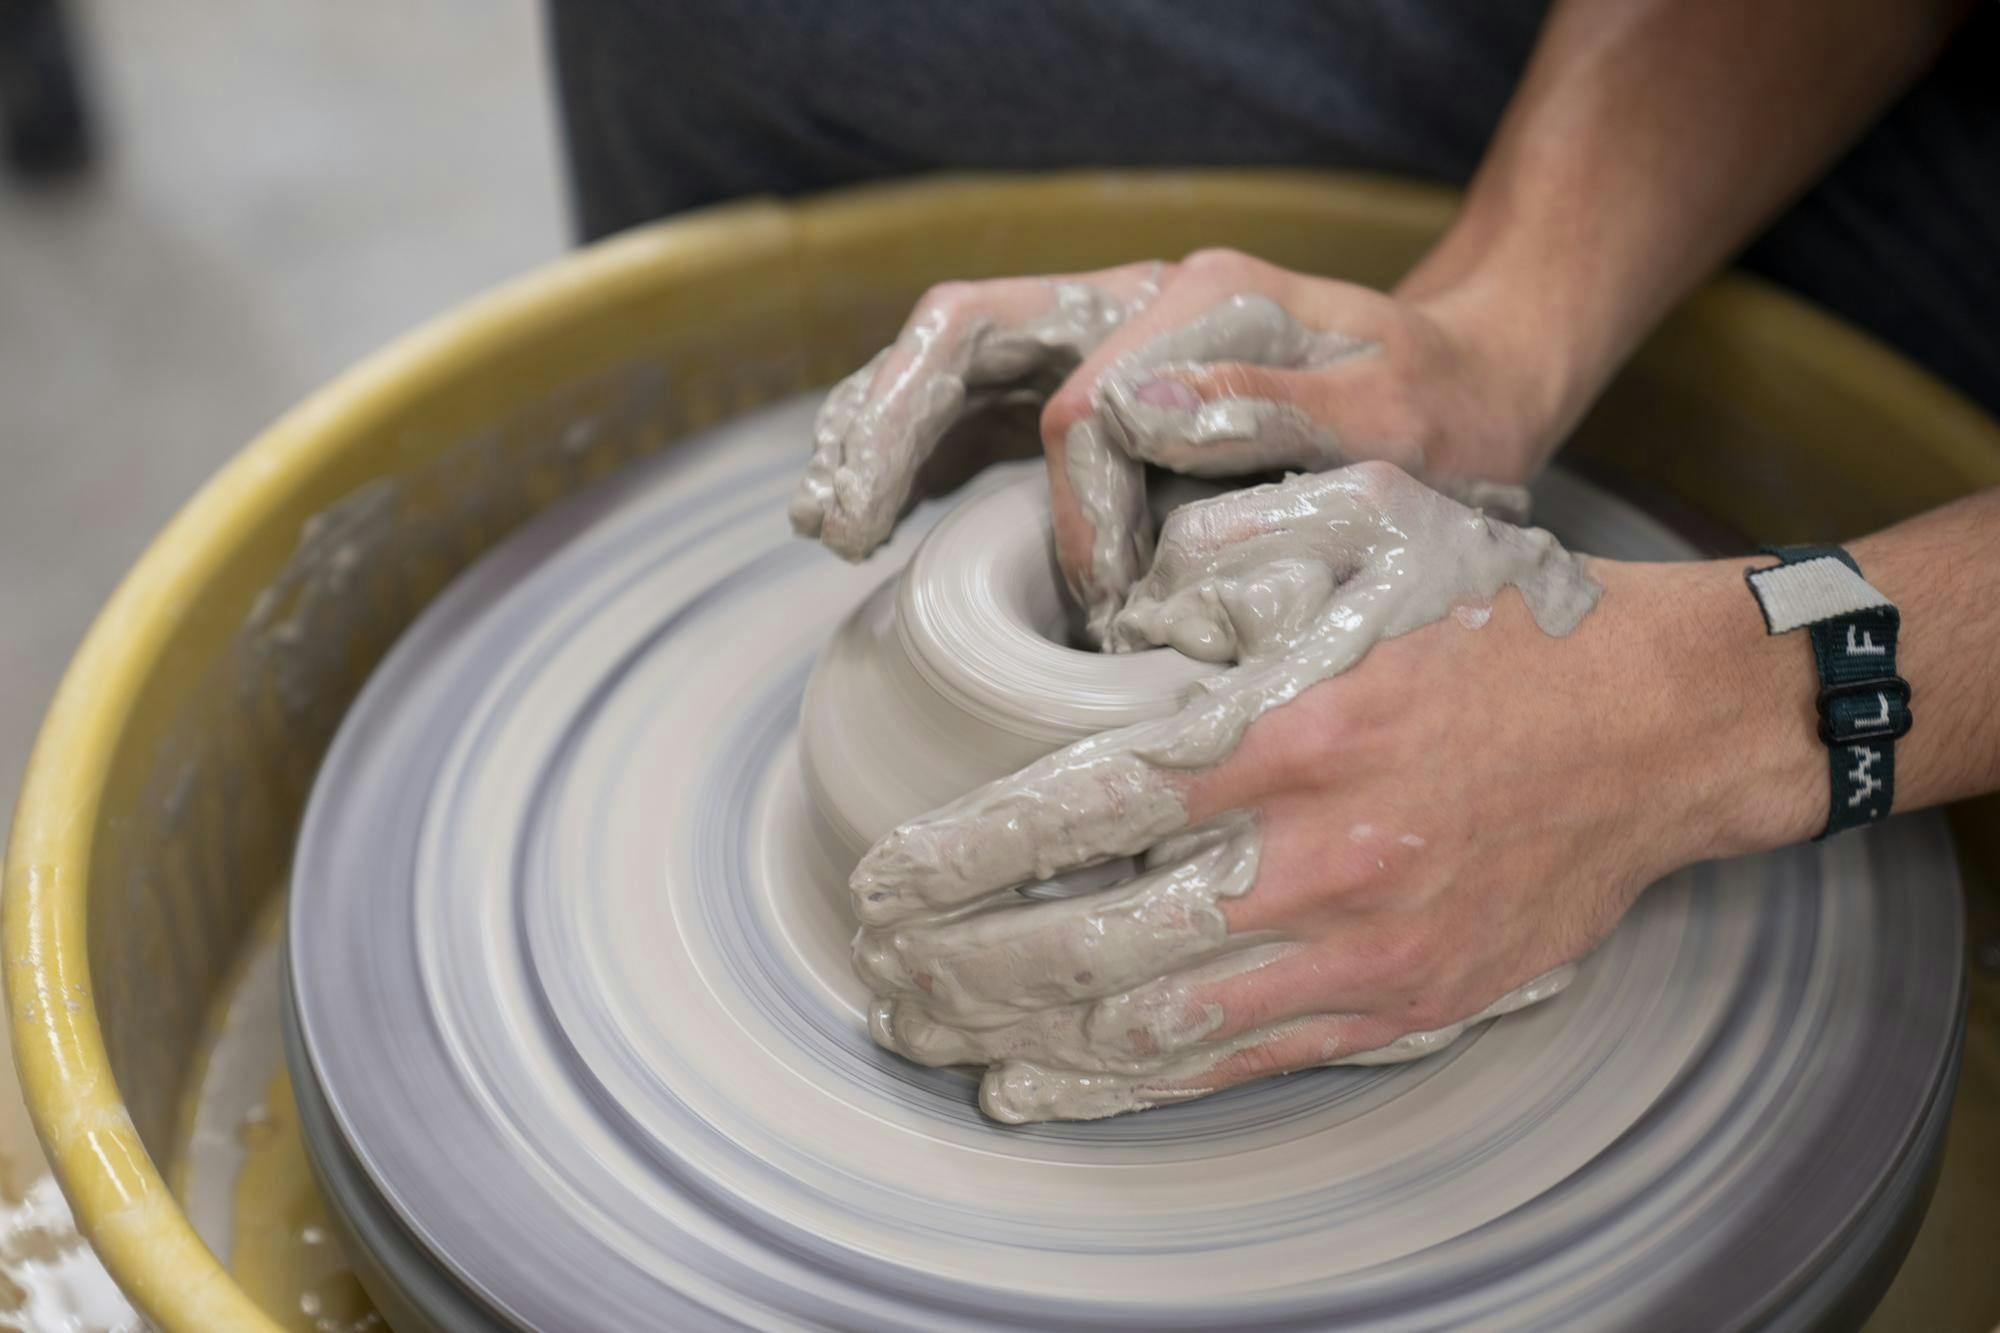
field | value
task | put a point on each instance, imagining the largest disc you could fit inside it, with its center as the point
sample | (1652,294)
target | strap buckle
(1895,729)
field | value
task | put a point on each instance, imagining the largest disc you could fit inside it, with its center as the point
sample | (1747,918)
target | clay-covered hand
(1337,865)
(1217,366)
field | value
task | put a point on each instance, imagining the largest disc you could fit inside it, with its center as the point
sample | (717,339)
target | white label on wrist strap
(1811,591)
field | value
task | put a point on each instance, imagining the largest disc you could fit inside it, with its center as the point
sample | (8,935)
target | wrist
(1740,767)
(1526,384)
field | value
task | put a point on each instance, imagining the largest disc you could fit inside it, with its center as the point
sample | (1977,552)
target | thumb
(1097,502)
(1235,419)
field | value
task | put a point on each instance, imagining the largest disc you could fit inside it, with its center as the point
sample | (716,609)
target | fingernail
(1168,393)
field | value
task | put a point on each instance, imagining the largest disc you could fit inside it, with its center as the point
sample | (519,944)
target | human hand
(1218,366)
(1340,866)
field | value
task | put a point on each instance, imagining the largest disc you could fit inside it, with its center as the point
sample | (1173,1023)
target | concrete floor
(283,189)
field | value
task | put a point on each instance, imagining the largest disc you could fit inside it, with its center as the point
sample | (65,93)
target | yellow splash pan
(159,807)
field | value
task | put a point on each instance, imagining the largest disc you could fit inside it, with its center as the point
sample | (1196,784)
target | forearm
(1942,570)
(1737,724)
(1647,142)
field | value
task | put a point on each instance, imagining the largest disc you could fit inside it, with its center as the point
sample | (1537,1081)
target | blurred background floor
(280,189)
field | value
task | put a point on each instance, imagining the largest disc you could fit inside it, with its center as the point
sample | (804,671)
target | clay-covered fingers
(964,345)
(1109,420)
(1249,573)
(1019,955)
(1238,420)
(1222,421)
(1103,528)
(1216,309)
(1131,1030)
(1094,801)
(1020,1089)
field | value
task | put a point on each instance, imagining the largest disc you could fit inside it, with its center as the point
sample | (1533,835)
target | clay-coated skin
(1211,367)
(1196,973)
(961,352)
(1154,417)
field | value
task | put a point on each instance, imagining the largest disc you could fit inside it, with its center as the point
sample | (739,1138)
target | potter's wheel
(577,1046)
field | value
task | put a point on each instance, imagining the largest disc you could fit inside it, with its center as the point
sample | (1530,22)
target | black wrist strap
(1864,706)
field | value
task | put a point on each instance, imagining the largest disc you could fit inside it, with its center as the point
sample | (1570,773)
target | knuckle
(880,960)
(1218,261)
(1285,752)
(1320,735)
(1067,406)
(947,298)
(1379,475)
